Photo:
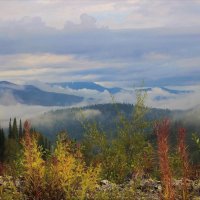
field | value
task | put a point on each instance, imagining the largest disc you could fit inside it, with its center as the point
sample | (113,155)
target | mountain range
(86,85)
(71,94)
(76,93)
(30,95)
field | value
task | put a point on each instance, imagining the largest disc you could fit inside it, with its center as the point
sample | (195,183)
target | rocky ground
(147,189)
(151,189)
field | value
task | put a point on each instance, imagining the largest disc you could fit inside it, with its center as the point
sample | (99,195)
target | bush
(162,132)
(34,166)
(127,155)
(68,176)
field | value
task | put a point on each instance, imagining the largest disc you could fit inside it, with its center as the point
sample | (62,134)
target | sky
(117,41)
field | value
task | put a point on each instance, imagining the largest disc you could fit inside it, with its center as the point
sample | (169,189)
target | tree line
(10,141)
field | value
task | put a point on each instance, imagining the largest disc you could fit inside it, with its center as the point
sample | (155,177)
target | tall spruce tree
(15,132)
(10,129)
(12,145)
(20,130)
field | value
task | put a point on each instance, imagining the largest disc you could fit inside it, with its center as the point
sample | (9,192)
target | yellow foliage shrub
(68,175)
(34,168)
(64,176)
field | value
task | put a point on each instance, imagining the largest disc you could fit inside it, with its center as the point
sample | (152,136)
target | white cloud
(113,13)
(6,99)
(182,101)
(20,111)
(87,114)
(153,56)
(83,50)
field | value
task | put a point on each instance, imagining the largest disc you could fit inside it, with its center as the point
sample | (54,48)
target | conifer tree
(12,145)
(20,130)
(15,129)
(10,129)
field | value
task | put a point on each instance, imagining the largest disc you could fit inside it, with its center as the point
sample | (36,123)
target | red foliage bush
(162,132)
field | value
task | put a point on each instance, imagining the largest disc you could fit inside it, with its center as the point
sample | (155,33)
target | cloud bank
(131,41)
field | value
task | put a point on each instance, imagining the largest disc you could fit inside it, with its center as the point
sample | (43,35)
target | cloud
(87,23)
(153,56)
(115,14)
(87,114)
(55,13)
(20,111)
(149,14)
(11,108)
(6,99)
(91,44)
(182,101)
(31,49)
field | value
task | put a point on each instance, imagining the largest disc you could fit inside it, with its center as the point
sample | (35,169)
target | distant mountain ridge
(171,91)
(86,85)
(71,120)
(73,93)
(107,116)
(31,95)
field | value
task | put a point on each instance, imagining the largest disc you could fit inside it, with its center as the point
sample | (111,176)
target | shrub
(34,166)
(68,176)
(162,132)
(126,155)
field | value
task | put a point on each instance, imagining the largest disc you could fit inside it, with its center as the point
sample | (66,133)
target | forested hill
(105,115)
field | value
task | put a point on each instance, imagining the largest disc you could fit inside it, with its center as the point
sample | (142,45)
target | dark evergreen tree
(20,130)
(10,135)
(15,132)
(12,145)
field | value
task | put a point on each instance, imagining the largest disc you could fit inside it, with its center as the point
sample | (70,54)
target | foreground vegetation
(126,166)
